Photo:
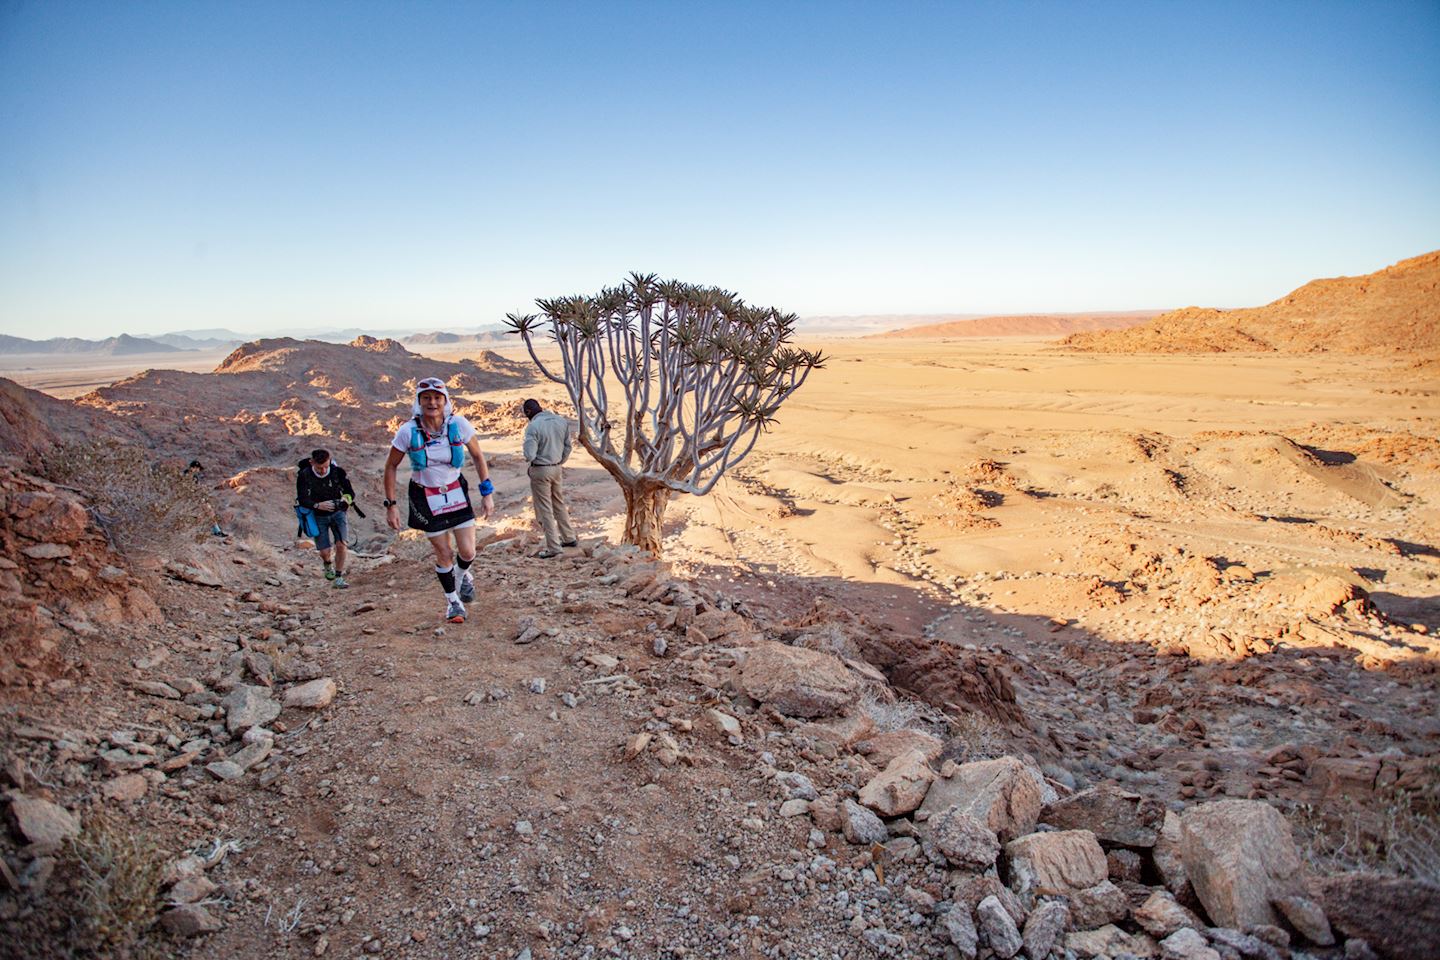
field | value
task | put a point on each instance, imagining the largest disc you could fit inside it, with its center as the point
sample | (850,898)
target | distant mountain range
(122,345)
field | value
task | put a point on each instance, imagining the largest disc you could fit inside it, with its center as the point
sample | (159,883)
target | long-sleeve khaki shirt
(547,439)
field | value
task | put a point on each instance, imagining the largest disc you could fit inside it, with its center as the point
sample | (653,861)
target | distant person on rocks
(547,446)
(435,440)
(322,487)
(196,472)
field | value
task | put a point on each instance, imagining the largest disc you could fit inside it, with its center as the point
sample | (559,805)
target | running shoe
(330,573)
(570,543)
(340,583)
(467,588)
(547,554)
(455,612)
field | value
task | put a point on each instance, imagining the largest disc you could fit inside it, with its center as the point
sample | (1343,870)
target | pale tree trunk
(645,515)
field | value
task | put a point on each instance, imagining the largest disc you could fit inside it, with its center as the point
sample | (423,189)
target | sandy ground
(948,463)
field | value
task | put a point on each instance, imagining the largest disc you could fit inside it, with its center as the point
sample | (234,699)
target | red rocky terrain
(213,754)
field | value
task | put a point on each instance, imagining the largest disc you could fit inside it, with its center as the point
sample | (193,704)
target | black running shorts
(422,519)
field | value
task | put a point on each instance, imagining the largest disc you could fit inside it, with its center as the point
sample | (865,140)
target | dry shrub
(104,895)
(143,506)
(974,736)
(889,716)
(1396,831)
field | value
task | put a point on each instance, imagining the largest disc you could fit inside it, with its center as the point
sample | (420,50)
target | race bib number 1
(446,499)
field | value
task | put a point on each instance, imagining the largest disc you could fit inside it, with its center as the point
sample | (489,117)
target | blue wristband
(486,487)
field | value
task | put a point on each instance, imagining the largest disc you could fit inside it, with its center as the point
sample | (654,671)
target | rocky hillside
(608,760)
(270,401)
(1393,311)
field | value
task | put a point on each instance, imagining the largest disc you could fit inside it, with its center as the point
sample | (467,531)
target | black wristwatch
(387,504)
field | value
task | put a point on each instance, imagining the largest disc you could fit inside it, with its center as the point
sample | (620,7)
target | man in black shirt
(321,486)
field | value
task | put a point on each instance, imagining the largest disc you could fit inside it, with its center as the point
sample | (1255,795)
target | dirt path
(443,807)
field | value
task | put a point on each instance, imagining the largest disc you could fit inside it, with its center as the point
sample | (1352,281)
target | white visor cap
(432,385)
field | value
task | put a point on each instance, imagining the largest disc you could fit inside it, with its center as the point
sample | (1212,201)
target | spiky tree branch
(702,375)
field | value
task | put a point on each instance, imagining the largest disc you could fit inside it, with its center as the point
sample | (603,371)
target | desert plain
(1171,578)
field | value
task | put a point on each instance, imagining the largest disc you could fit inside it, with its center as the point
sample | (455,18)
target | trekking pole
(351,502)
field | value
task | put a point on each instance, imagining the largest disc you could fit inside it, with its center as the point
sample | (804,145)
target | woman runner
(435,441)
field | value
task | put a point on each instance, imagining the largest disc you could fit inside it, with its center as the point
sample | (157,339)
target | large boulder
(798,682)
(1112,814)
(999,794)
(1058,863)
(1398,917)
(1240,856)
(900,787)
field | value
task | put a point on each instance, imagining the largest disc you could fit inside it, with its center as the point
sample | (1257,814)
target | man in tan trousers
(547,446)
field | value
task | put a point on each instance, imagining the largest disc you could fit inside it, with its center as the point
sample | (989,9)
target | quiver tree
(702,374)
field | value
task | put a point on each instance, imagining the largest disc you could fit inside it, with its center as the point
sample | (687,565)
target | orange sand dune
(1391,311)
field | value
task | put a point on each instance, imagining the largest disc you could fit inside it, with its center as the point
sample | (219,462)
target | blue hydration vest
(420,458)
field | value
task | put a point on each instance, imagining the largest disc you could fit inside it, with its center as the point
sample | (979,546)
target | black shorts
(422,519)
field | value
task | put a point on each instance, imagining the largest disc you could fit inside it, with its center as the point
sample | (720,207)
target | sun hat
(432,385)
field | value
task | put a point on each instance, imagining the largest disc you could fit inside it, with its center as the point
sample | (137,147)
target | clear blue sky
(169,165)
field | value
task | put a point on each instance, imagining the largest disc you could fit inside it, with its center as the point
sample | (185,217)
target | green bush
(143,506)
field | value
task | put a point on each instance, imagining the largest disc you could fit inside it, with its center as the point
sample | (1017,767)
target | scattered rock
(315,695)
(900,787)
(965,842)
(998,928)
(723,724)
(1308,919)
(42,822)
(1187,944)
(189,920)
(1098,905)
(1108,941)
(1161,915)
(960,929)
(189,574)
(155,688)
(191,889)
(860,825)
(1168,859)
(881,748)
(1125,865)
(1043,928)
(126,789)
(247,706)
